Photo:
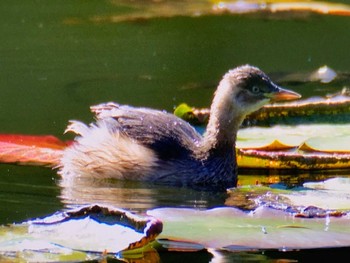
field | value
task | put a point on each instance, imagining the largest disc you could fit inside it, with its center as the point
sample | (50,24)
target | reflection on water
(136,196)
(52,71)
(288,178)
(142,196)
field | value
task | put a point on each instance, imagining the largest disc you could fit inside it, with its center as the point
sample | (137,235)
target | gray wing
(169,136)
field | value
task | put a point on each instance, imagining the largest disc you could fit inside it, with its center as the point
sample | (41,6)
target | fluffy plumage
(145,144)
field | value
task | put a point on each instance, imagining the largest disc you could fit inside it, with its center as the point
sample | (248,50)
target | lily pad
(281,220)
(166,9)
(333,193)
(331,144)
(338,184)
(291,160)
(321,195)
(272,138)
(294,136)
(333,109)
(42,150)
(289,147)
(264,228)
(85,233)
(194,116)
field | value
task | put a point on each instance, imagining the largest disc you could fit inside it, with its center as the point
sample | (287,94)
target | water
(57,58)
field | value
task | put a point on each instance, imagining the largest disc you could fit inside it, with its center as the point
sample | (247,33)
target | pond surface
(59,57)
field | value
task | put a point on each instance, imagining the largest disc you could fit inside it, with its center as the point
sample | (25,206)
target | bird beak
(283,94)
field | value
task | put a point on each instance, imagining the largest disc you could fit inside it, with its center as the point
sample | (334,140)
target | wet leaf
(315,199)
(166,9)
(44,141)
(331,144)
(277,147)
(289,147)
(284,6)
(291,160)
(194,116)
(315,216)
(23,149)
(264,228)
(274,138)
(333,109)
(338,184)
(82,234)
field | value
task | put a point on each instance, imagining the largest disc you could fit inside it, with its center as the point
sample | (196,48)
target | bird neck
(224,122)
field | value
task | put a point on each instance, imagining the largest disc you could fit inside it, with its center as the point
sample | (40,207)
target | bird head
(251,89)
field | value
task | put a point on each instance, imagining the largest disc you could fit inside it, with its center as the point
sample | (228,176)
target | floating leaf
(194,116)
(282,219)
(283,6)
(85,233)
(324,75)
(264,228)
(22,149)
(293,135)
(333,109)
(314,110)
(291,160)
(273,138)
(277,147)
(290,147)
(337,184)
(318,202)
(44,141)
(95,232)
(332,193)
(331,144)
(274,145)
(166,9)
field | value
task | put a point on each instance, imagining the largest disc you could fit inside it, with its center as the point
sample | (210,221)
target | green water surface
(57,59)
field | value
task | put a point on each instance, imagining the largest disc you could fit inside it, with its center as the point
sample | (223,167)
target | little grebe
(144,144)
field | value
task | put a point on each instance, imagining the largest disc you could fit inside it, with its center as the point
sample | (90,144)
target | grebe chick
(131,143)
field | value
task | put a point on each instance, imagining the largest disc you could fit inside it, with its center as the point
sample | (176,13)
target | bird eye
(255,89)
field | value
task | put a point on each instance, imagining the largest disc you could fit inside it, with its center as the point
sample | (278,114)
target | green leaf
(264,228)
(333,109)
(183,110)
(313,217)
(290,147)
(331,144)
(87,233)
(194,116)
